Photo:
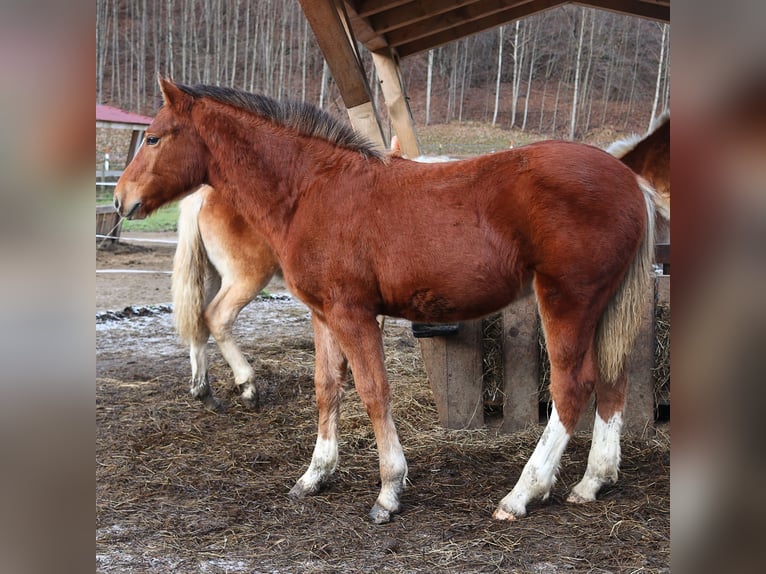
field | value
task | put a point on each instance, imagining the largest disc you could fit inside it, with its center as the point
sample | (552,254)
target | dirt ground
(183,489)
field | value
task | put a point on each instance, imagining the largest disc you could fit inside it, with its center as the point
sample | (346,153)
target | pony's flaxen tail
(190,267)
(621,321)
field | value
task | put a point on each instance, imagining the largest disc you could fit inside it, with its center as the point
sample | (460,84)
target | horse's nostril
(117,204)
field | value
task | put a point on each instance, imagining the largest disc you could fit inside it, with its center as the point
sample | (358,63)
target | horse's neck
(264,171)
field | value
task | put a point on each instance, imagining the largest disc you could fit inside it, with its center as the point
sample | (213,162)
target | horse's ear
(171,95)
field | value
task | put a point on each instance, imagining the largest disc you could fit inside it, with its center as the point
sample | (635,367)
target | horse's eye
(152,140)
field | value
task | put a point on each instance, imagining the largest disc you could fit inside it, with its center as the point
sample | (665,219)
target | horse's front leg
(329,381)
(361,340)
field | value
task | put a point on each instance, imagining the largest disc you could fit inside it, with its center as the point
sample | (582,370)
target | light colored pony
(220,265)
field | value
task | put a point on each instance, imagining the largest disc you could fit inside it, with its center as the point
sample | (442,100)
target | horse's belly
(455,298)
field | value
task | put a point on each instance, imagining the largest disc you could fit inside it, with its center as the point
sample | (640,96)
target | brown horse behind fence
(649,155)
(359,234)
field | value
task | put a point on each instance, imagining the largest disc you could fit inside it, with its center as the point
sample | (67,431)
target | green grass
(164,219)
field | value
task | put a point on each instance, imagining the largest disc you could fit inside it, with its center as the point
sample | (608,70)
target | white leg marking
(603,460)
(198,357)
(539,473)
(323,464)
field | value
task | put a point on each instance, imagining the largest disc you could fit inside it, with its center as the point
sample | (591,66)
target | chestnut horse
(220,265)
(359,234)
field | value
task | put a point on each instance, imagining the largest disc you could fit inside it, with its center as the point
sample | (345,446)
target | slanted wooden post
(396,102)
(329,22)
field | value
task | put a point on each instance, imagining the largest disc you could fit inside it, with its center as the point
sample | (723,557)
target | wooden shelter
(392,30)
(395,29)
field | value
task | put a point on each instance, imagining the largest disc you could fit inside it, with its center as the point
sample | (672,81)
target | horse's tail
(619,325)
(190,267)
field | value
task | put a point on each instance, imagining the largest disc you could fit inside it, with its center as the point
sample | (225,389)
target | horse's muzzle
(130,214)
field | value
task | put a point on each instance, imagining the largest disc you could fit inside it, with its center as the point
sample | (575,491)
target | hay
(661,370)
(492,356)
(182,489)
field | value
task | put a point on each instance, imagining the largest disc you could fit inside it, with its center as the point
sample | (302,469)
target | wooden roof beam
(367,8)
(408,47)
(485,10)
(413,12)
(652,10)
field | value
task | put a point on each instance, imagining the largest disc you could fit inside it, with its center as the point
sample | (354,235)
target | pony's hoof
(380,515)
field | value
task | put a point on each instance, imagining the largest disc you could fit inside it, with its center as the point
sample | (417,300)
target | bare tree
(576,90)
(499,73)
(659,75)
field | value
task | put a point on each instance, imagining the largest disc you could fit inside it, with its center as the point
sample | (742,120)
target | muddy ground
(182,489)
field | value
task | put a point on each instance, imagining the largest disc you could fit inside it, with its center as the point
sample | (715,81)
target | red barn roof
(115,115)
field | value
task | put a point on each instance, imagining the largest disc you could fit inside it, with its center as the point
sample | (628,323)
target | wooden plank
(108,222)
(365,121)
(447,19)
(454,366)
(638,415)
(659,11)
(332,38)
(396,103)
(136,138)
(368,7)
(521,365)
(414,12)
(407,46)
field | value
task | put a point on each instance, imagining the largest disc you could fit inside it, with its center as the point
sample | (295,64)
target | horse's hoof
(380,515)
(504,515)
(251,400)
(300,491)
(211,403)
(575,498)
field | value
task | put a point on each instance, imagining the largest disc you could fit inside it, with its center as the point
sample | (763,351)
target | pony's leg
(573,375)
(604,457)
(329,381)
(220,316)
(199,386)
(361,340)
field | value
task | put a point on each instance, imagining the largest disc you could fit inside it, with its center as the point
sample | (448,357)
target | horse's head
(172,161)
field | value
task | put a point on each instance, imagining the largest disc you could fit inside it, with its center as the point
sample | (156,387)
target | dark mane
(305,118)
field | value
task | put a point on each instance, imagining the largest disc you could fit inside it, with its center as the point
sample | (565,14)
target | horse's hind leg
(329,380)
(604,457)
(220,316)
(199,386)
(573,374)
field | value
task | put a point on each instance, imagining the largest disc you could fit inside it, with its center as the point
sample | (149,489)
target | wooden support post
(639,404)
(521,365)
(329,22)
(454,366)
(365,121)
(136,137)
(396,103)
